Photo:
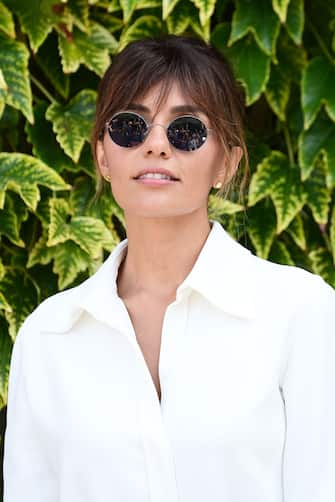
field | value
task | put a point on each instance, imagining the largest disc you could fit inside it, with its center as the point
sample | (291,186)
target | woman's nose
(157,141)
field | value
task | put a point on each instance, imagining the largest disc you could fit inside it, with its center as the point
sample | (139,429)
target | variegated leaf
(72,122)
(6,21)
(23,173)
(259,19)
(275,177)
(262,227)
(14,58)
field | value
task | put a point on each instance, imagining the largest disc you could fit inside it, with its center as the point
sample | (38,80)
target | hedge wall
(52,55)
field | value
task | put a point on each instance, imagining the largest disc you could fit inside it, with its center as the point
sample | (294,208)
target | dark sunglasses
(129,129)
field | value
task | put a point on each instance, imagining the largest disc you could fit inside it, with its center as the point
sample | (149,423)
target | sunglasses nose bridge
(150,126)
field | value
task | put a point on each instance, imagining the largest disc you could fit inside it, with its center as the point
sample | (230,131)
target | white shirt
(247,375)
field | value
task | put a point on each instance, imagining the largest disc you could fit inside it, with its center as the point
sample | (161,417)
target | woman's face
(197,170)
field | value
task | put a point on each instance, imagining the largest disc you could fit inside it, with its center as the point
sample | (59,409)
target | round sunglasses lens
(127,129)
(187,133)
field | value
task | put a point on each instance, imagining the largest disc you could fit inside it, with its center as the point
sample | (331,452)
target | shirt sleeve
(308,390)
(25,469)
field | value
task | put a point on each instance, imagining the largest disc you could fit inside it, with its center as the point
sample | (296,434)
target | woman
(186,369)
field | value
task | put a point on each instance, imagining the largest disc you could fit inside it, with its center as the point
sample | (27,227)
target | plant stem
(42,88)
(321,43)
(288,145)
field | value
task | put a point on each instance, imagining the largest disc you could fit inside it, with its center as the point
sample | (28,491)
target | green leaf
(280,254)
(45,145)
(10,223)
(142,27)
(259,19)
(295,20)
(69,261)
(80,48)
(48,60)
(180,18)
(276,178)
(6,21)
(14,64)
(4,305)
(332,233)
(128,7)
(318,197)
(22,173)
(3,92)
(323,265)
(318,89)
(89,233)
(80,11)
(217,206)
(252,67)
(168,6)
(72,122)
(21,292)
(297,232)
(262,227)
(6,347)
(206,9)
(278,92)
(319,139)
(41,253)
(280,8)
(36,20)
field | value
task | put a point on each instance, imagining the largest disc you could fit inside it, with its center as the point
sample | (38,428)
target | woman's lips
(155,181)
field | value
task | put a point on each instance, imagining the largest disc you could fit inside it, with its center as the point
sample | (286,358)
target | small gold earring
(218,185)
(107,177)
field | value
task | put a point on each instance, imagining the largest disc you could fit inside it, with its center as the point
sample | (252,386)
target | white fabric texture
(247,375)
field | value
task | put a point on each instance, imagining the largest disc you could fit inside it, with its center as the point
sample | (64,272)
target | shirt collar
(222,274)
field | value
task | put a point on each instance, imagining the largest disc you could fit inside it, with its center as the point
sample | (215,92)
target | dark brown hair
(203,74)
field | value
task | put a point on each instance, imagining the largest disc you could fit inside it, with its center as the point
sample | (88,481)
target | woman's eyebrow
(173,109)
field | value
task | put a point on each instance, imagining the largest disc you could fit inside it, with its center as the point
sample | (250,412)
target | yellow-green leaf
(6,346)
(217,206)
(206,9)
(14,58)
(168,6)
(332,233)
(21,291)
(280,254)
(323,264)
(41,253)
(23,173)
(275,177)
(262,227)
(37,19)
(180,18)
(280,8)
(10,223)
(89,233)
(142,27)
(69,261)
(278,91)
(6,21)
(297,232)
(82,48)
(128,7)
(72,122)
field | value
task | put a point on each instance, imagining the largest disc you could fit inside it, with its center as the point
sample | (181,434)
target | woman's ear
(101,158)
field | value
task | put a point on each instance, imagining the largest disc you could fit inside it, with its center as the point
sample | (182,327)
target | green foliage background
(52,55)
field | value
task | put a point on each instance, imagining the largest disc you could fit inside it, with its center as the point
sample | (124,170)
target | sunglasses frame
(208,130)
